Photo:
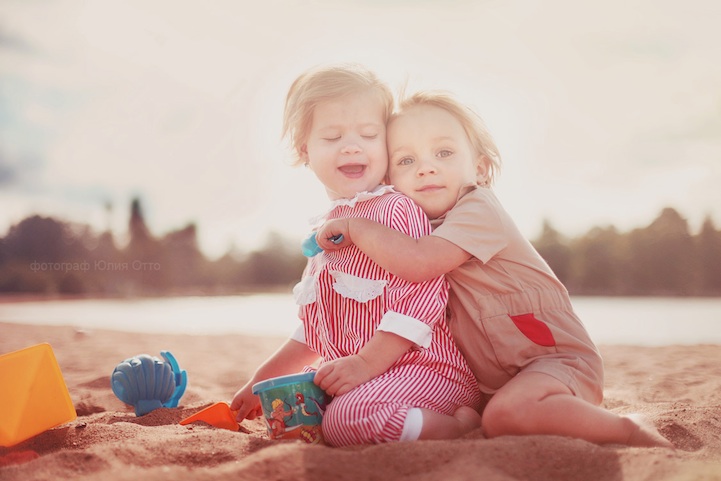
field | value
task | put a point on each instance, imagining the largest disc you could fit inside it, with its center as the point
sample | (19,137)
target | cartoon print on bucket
(293,407)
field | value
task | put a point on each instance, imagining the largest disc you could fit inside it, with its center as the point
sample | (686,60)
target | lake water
(610,320)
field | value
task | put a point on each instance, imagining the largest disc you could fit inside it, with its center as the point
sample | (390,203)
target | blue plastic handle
(181,380)
(310,245)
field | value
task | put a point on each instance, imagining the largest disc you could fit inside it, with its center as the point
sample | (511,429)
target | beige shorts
(530,331)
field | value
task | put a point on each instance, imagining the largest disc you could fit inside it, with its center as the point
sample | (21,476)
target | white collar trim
(359,197)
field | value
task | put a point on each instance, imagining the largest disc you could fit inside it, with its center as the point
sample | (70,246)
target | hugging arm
(414,260)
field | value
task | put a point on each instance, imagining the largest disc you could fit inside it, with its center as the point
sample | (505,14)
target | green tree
(279,262)
(40,239)
(183,265)
(554,248)
(598,262)
(143,265)
(708,249)
(41,255)
(661,257)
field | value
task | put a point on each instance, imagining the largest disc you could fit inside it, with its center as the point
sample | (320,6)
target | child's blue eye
(405,161)
(444,153)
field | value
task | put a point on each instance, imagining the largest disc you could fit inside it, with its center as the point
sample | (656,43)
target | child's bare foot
(645,434)
(468,418)
(443,426)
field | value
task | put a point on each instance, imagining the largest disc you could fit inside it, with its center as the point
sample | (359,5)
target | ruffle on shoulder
(363,196)
(347,285)
(359,197)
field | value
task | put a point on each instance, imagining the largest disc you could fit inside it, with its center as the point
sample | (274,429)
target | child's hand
(246,403)
(341,375)
(334,235)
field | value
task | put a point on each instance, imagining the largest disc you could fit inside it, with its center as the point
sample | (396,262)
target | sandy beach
(678,387)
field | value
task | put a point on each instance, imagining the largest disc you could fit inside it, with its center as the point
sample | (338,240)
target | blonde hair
(327,83)
(472,123)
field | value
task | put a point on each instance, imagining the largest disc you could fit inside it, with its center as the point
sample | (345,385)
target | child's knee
(504,416)
(349,422)
(335,429)
(343,424)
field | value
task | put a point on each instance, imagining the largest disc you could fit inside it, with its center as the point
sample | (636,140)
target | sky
(604,112)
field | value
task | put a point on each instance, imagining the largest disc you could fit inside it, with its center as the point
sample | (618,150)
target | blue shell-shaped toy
(148,383)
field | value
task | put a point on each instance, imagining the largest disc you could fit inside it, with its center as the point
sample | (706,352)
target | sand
(677,387)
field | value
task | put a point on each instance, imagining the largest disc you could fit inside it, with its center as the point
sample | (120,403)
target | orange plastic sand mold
(218,415)
(33,394)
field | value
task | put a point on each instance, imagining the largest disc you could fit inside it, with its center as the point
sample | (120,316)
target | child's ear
(481,170)
(303,154)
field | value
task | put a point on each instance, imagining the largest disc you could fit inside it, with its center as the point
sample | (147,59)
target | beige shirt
(503,262)
(508,310)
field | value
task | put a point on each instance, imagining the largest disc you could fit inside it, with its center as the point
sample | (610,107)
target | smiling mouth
(353,170)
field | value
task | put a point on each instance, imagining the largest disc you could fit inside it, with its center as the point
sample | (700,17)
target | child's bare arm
(341,375)
(290,358)
(414,260)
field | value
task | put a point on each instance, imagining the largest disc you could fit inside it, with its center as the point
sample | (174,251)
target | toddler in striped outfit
(385,351)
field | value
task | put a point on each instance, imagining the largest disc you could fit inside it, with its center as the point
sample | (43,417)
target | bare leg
(535,403)
(442,426)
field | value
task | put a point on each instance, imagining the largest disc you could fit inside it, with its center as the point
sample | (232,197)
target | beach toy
(33,394)
(293,407)
(310,245)
(218,415)
(147,383)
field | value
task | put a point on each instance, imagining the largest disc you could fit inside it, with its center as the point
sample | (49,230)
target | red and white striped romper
(345,297)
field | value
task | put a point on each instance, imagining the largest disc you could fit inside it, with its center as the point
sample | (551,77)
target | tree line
(661,259)
(43,255)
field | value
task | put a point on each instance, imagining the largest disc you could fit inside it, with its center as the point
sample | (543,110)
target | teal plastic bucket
(293,407)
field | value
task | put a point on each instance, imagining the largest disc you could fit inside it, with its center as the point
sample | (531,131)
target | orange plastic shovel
(218,415)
